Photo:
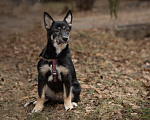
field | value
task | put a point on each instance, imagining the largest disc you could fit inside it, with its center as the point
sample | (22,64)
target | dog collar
(53,67)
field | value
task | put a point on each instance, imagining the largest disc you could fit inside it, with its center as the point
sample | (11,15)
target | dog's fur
(67,88)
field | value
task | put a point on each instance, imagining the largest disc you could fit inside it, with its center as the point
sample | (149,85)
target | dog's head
(58,31)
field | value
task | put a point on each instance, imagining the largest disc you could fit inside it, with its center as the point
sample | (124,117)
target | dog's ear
(48,20)
(68,18)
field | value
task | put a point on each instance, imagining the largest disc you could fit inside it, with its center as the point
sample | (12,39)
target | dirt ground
(114,72)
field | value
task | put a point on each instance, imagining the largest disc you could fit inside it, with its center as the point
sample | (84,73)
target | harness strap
(53,68)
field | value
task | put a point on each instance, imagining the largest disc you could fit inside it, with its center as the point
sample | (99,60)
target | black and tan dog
(57,78)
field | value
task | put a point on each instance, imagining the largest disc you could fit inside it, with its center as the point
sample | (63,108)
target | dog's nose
(65,38)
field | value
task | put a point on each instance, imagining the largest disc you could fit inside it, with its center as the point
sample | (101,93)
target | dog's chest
(59,69)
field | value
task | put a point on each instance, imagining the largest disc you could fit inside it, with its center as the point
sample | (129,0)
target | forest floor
(114,72)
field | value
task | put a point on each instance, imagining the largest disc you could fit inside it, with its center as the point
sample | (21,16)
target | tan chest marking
(62,69)
(59,47)
(45,68)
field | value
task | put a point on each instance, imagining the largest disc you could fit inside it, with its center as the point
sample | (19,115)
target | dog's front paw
(68,106)
(74,104)
(37,108)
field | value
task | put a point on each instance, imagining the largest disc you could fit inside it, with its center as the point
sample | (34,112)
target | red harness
(53,67)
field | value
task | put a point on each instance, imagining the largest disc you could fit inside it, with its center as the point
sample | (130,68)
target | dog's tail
(30,103)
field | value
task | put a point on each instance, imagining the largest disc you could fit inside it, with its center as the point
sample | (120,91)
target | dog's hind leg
(76,89)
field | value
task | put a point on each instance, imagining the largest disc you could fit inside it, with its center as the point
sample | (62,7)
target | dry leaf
(84,86)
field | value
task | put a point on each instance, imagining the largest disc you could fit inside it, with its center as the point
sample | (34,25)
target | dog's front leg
(67,89)
(67,97)
(41,95)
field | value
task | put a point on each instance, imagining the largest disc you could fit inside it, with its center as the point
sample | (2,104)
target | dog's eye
(57,31)
(67,30)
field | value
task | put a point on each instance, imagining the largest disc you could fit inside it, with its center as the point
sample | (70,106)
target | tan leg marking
(67,100)
(40,103)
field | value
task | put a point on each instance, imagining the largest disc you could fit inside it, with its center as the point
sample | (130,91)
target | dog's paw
(29,103)
(74,104)
(37,108)
(68,107)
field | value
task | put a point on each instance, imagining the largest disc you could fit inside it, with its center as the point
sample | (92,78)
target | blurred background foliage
(80,5)
(83,5)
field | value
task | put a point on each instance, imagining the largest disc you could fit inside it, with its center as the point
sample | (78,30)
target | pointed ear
(48,20)
(68,18)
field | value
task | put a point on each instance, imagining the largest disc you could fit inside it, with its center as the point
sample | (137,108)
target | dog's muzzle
(65,38)
(62,40)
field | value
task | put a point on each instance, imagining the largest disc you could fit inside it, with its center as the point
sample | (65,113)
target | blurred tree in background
(85,4)
(113,5)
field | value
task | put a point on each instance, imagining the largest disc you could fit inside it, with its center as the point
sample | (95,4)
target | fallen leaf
(25,97)
(84,86)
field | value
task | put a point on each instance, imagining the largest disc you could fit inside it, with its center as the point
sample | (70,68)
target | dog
(57,80)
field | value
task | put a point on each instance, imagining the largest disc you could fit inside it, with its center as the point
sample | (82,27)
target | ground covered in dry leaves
(112,73)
